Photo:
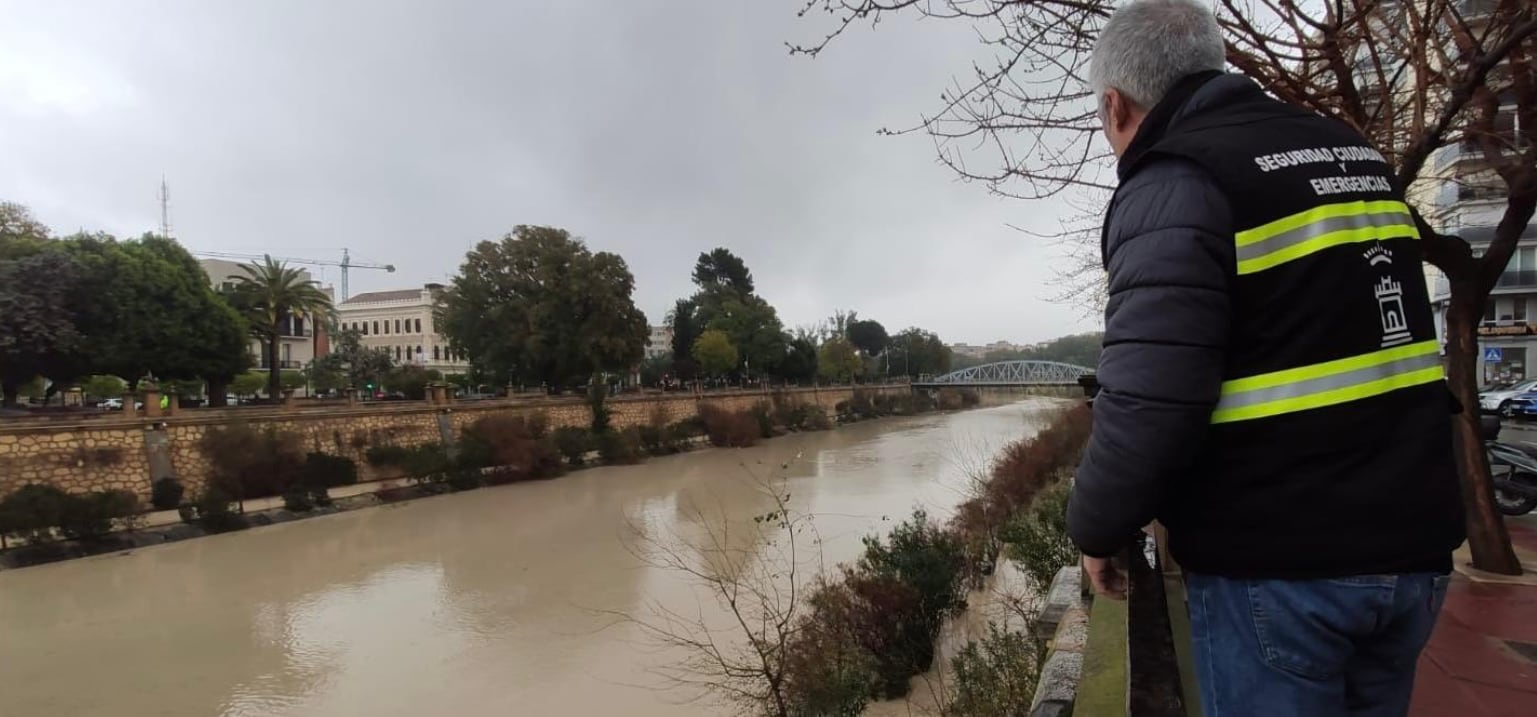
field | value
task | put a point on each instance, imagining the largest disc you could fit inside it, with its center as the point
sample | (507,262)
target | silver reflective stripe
(1307,387)
(1319,228)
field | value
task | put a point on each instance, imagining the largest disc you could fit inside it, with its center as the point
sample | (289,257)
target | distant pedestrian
(1271,385)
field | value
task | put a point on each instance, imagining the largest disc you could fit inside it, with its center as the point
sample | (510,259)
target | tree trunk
(218,392)
(274,372)
(1487,538)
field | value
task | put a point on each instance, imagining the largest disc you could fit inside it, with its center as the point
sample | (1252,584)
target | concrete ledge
(1060,597)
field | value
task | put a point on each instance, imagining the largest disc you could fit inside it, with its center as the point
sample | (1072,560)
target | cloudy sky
(408,131)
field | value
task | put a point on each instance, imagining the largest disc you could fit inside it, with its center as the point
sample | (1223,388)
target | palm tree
(270,292)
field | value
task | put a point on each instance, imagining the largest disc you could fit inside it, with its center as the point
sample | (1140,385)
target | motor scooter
(1514,469)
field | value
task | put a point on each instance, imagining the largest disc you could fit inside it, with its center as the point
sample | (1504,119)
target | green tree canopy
(104,386)
(270,293)
(837,360)
(145,307)
(350,364)
(248,384)
(38,333)
(685,331)
(916,352)
(868,336)
(800,362)
(752,325)
(714,353)
(721,268)
(540,306)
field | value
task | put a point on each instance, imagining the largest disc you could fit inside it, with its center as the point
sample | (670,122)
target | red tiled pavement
(1468,669)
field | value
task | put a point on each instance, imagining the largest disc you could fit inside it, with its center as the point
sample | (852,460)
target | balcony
(1523,279)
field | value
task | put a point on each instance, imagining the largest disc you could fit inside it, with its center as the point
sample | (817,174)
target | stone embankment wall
(129,451)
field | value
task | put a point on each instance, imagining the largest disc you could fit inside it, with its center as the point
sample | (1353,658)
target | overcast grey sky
(407,131)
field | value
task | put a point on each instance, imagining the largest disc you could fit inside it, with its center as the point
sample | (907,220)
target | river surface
(501,601)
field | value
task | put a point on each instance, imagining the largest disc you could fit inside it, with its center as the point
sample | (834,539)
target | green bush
(215,512)
(426,463)
(573,443)
(298,499)
(386,455)
(808,417)
(464,478)
(323,470)
(166,493)
(620,447)
(826,672)
(653,440)
(762,413)
(930,563)
(1037,539)
(94,514)
(996,676)
(32,511)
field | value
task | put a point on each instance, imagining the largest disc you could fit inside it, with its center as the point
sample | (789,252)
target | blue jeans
(1320,648)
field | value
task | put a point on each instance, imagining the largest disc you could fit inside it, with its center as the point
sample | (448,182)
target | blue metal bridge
(1010,373)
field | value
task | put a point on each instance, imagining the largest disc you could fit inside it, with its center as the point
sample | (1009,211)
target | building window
(397,350)
(435,354)
(376,327)
(419,355)
(397,326)
(1489,310)
(418,326)
(1519,314)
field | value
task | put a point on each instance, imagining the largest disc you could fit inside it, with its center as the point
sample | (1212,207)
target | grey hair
(1149,45)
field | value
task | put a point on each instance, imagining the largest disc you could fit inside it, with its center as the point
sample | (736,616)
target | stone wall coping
(224,416)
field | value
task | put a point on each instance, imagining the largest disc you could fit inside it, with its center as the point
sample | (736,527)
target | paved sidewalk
(1482,657)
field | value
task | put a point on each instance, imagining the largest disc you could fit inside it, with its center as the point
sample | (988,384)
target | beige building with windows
(300,338)
(400,323)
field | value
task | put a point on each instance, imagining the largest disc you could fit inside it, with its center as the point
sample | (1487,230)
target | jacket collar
(1195,94)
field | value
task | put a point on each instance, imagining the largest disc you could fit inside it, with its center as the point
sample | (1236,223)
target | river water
(501,601)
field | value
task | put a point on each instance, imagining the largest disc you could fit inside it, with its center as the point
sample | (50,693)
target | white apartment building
(300,338)
(1469,201)
(661,342)
(400,323)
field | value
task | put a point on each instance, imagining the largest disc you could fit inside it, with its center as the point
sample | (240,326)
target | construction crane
(346,263)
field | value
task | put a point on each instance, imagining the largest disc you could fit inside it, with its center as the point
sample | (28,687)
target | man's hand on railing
(1108,579)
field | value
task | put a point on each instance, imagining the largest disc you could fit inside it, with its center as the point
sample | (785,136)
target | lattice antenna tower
(165,208)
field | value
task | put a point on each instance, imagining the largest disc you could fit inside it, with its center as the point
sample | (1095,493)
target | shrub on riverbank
(620,447)
(513,448)
(166,493)
(729,429)
(996,675)
(573,444)
(34,511)
(1037,538)
(250,463)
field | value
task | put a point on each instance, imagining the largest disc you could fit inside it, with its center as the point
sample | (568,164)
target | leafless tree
(752,580)
(1413,76)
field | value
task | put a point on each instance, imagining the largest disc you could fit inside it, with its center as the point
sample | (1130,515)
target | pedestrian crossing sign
(1492,354)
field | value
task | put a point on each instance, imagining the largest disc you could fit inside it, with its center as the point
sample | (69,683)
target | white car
(1498,400)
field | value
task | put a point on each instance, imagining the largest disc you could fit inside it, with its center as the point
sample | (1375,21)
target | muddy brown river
(500,601)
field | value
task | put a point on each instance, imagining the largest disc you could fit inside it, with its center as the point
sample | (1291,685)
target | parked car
(1499,400)
(116,404)
(1521,405)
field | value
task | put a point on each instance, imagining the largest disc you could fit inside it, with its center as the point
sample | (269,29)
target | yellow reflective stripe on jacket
(1319,228)
(1329,383)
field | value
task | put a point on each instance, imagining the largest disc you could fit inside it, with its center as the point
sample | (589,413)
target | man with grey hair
(1271,385)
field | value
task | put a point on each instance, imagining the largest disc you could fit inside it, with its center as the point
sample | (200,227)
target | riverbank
(510,451)
(489,602)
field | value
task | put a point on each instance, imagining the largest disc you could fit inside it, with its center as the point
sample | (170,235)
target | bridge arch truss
(1013,373)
